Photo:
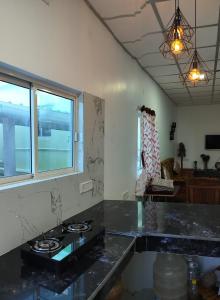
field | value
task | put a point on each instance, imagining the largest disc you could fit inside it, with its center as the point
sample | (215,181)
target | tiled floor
(146,294)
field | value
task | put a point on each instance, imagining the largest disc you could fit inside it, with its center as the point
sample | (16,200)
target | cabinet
(203,190)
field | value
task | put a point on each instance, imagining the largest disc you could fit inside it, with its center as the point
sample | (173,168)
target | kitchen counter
(98,270)
(169,227)
(176,220)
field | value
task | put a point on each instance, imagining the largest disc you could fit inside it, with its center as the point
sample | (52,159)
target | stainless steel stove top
(63,245)
(78,227)
(46,245)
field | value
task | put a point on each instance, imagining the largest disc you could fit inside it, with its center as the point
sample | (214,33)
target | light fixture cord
(195,26)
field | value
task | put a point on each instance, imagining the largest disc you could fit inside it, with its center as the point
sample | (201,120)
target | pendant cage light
(179,35)
(196,72)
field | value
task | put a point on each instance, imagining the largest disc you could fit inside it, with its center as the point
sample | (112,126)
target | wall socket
(125,195)
(86,186)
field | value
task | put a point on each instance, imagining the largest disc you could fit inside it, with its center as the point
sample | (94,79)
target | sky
(21,96)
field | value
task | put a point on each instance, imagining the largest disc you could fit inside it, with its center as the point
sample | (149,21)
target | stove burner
(78,227)
(46,245)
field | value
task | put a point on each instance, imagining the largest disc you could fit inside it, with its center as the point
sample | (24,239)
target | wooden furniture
(209,173)
(191,188)
(167,171)
(163,196)
(187,173)
(208,294)
(203,190)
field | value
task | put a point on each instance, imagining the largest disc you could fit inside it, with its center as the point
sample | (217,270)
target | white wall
(193,123)
(64,42)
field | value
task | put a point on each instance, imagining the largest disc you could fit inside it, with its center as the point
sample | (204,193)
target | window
(37,130)
(55,119)
(15,130)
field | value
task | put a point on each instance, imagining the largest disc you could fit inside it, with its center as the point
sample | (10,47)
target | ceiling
(138,26)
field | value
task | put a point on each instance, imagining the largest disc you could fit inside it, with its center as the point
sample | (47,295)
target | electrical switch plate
(86,186)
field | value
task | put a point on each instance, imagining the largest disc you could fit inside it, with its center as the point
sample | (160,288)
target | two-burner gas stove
(62,246)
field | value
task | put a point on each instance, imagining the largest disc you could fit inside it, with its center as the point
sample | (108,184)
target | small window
(15,130)
(55,123)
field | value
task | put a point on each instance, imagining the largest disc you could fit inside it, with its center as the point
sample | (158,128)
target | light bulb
(177,46)
(202,76)
(180,31)
(194,74)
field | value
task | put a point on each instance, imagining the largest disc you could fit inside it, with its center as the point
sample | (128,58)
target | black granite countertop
(21,282)
(177,220)
(169,227)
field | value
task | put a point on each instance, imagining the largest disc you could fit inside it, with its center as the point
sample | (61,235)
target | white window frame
(34,87)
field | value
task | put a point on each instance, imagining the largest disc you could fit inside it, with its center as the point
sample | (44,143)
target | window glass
(15,131)
(55,132)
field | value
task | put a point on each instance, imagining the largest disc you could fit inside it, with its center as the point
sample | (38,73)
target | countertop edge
(109,275)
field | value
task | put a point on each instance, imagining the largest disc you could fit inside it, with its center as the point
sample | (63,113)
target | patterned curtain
(150,153)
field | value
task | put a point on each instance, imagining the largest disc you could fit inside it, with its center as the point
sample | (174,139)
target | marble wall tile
(27,211)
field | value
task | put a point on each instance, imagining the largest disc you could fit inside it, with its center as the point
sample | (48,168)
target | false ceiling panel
(204,89)
(216,98)
(129,28)
(138,25)
(155,59)
(202,101)
(163,70)
(147,44)
(108,9)
(167,78)
(172,85)
(217,88)
(207,36)
(176,91)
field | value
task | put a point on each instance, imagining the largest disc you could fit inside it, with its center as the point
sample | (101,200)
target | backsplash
(27,211)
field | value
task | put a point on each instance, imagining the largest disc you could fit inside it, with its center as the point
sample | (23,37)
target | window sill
(16,184)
